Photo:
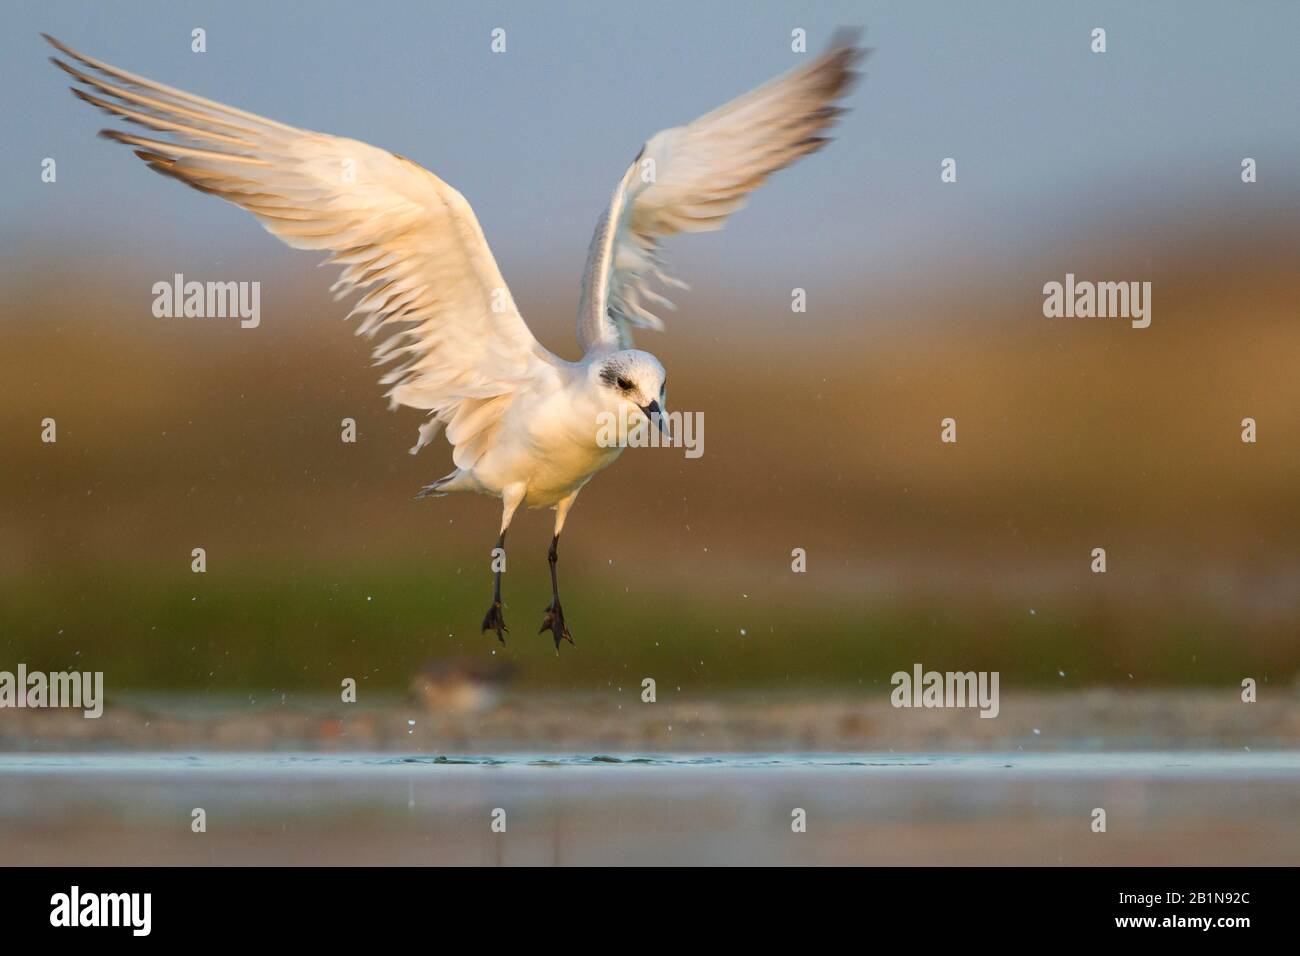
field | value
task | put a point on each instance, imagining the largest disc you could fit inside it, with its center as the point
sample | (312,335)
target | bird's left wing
(691,178)
(399,231)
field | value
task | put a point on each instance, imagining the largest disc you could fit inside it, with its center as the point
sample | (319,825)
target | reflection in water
(1162,808)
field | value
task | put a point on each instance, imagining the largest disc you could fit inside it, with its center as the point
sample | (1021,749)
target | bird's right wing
(691,178)
(462,348)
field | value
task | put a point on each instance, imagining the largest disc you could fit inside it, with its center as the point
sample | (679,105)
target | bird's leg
(554,620)
(494,620)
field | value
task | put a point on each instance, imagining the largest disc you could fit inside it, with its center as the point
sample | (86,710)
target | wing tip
(63,66)
(842,55)
(62,47)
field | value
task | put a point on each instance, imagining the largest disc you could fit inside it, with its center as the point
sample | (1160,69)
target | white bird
(523,423)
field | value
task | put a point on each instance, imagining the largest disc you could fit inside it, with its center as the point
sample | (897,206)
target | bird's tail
(436,490)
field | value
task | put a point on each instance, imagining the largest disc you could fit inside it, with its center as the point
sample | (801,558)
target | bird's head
(633,378)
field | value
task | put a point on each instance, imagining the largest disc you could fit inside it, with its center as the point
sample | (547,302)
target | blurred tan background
(1073,434)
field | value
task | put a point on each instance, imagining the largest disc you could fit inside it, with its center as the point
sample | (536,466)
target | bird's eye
(624,384)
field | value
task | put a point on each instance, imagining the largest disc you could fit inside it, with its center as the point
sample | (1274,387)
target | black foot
(494,620)
(554,622)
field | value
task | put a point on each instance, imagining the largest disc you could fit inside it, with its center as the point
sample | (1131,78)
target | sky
(1045,133)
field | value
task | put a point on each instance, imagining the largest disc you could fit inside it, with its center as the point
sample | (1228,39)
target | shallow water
(1191,764)
(1035,808)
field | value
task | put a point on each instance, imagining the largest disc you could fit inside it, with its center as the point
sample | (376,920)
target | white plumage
(521,421)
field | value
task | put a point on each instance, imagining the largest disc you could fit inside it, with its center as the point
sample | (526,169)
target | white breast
(547,443)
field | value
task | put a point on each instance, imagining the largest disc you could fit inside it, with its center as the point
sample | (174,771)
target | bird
(523,423)
(461,686)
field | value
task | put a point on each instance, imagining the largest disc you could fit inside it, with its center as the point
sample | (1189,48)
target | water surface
(1036,808)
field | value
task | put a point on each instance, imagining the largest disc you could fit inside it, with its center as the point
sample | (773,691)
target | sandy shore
(621,723)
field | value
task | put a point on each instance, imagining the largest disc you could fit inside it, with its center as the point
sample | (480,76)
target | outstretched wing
(691,178)
(461,347)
